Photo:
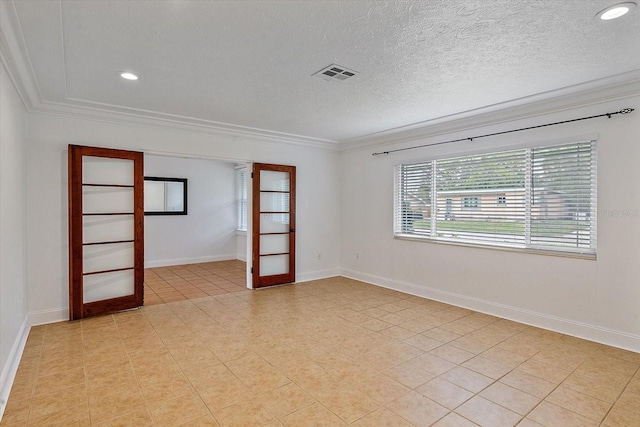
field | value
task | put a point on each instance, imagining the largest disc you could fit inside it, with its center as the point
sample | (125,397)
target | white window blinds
(538,198)
(241,191)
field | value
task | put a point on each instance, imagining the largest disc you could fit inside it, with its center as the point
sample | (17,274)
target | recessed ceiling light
(615,11)
(128,76)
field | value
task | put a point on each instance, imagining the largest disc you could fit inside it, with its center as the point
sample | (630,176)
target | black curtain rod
(608,115)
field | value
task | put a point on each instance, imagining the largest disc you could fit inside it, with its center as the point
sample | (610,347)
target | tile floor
(332,352)
(177,283)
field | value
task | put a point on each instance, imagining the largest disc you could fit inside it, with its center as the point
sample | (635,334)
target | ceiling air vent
(335,72)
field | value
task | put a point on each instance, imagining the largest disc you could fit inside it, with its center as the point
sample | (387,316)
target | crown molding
(14,56)
(618,87)
(180,124)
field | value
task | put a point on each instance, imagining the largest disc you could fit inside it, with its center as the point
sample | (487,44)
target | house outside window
(470,203)
(551,191)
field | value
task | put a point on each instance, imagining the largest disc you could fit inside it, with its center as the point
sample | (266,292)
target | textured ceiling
(250,63)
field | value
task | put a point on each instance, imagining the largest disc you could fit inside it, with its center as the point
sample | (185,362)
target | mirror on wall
(165,196)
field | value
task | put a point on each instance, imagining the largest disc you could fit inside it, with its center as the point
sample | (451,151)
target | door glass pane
(104,170)
(107,228)
(274,181)
(274,223)
(107,257)
(274,202)
(108,285)
(274,244)
(107,199)
(275,264)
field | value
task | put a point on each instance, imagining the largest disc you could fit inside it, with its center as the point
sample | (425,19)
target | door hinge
(251,270)
(251,174)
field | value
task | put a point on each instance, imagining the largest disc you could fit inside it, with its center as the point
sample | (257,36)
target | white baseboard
(9,370)
(565,326)
(316,275)
(48,316)
(182,261)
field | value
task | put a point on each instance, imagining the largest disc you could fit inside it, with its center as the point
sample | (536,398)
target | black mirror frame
(184,194)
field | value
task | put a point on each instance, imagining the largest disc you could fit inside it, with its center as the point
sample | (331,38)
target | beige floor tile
(64,416)
(49,383)
(622,417)
(408,374)
(528,383)
(397,332)
(454,420)
(325,352)
(544,371)
(601,388)
(467,379)
(242,414)
(286,399)
(487,414)
(471,345)
(487,367)
(380,388)
(46,404)
(510,398)
(177,410)
(422,342)
(114,384)
(549,414)
(445,393)
(163,387)
(382,418)
(529,423)
(206,421)
(16,412)
(441,335)
(417,409)
(140,418)
(432,364)
(314,415)
(579,403)
(452,353)
(348,404)
(630,399)
(116,405)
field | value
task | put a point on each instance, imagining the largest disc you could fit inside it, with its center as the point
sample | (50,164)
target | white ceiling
(249,64)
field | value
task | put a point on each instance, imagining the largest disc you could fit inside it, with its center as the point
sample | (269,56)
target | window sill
(241,232)
(549,252)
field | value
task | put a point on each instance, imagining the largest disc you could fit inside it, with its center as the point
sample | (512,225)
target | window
(551,192)
(470,203)
(241,191)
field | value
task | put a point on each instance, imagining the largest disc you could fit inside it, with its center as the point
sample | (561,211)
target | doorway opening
(192,281)
(204,252)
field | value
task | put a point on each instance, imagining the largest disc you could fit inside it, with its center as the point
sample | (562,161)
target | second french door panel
(273,224)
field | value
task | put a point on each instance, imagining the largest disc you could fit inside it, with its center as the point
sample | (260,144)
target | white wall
(13,211)
(318,177)
(207,232)
(598,300)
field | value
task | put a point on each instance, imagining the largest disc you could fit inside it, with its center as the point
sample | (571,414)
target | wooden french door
(106,230)
(274,225)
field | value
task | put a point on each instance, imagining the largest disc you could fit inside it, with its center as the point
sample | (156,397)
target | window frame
(432,235)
